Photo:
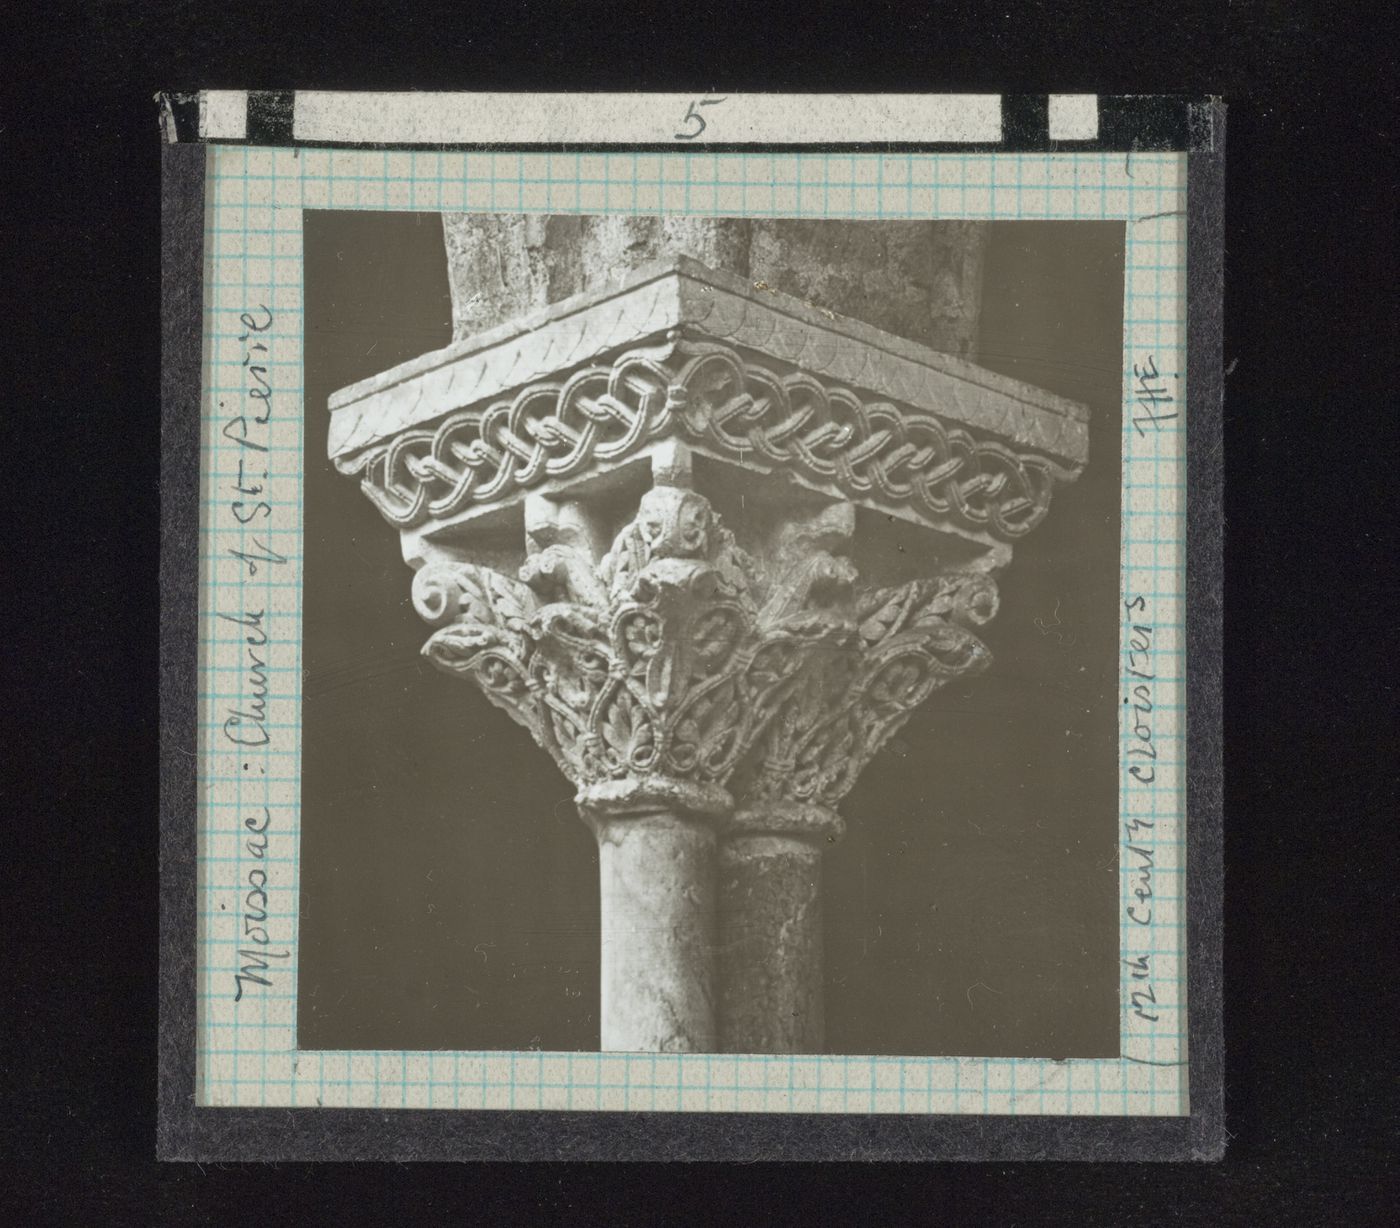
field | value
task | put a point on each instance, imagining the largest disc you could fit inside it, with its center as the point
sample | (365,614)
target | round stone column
(656,865)
(771,943)
(921,280)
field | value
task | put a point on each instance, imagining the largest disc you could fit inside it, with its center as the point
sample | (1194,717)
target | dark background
(1310,331)
(449,892)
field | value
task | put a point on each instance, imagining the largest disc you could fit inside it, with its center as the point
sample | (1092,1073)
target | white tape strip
(621,119)
(223,115)
(1074,117)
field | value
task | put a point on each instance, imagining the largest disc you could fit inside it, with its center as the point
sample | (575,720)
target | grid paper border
(1151,197)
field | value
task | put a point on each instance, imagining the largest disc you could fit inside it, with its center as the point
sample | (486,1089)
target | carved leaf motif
(858,691)
(715,635)
(620,566)
(954,650)
(641,633)
(491,613)
(628,733)
(456,646)
(500,675)
(447,592)
(736,573)
(489,597)
(565,734)
(896,685)
(712,728)
(885,611)
(670,668)
(820,581)
(826,759)
(773,662)
(958,597)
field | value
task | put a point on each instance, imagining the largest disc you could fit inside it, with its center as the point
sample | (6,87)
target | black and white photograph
(711,635)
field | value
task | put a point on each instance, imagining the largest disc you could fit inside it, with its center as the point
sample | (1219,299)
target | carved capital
(680,659)
(655,665)
(662,651)
(906,643)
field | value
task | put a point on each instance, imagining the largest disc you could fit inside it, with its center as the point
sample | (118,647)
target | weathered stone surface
(612,248)
(656,878)
(504,265)
(771,939)
(771,946)
(917,279)
(920,280)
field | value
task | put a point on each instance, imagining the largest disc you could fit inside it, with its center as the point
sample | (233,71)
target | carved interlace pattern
(677,656)
(909,641)
(735,407)
(655,664)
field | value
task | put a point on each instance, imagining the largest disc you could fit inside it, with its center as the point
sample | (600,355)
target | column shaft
(658,921)
(771,942)
(771,945)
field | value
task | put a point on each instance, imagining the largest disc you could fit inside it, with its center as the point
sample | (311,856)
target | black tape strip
(183,112)
(1143,121)
(1205,586)
(1025,122)
(183,169)
(270,117)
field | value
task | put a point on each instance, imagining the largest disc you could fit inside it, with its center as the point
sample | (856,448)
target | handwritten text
(247,513)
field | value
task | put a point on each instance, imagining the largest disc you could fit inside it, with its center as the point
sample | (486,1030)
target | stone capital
(651,671)
(557,481)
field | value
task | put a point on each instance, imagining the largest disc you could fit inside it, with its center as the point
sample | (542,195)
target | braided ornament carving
(735,407)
